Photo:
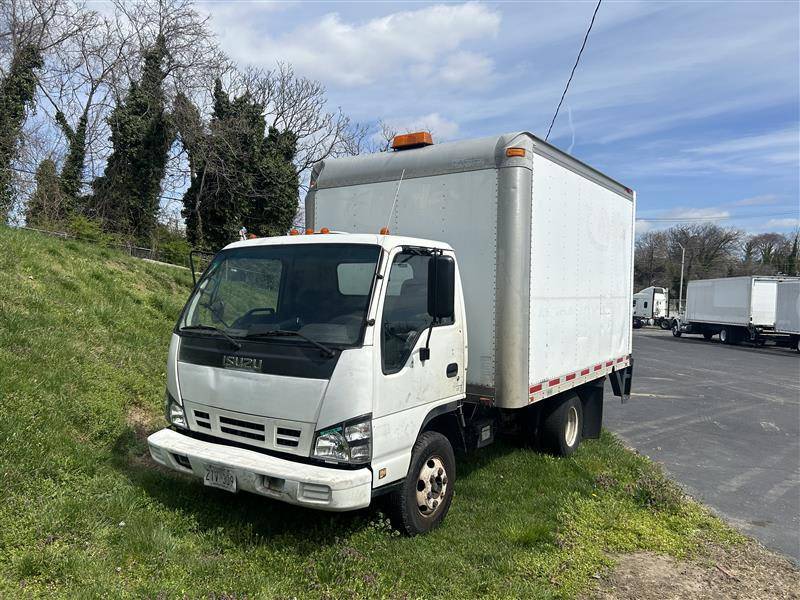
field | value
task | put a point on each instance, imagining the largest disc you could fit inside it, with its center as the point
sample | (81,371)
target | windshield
(318,291)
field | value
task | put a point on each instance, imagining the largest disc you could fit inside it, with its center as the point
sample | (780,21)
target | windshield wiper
(281,332)
(230,338)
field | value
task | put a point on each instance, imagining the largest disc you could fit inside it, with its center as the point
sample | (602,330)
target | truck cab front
(295,370)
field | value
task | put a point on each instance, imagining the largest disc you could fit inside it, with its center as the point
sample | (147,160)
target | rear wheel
(726,335)
(675,329)
(664,324)
(423,499)
(562,427)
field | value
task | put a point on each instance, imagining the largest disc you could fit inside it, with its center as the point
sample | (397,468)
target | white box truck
(737,308)
(787,311)
(651,307)
(330,368)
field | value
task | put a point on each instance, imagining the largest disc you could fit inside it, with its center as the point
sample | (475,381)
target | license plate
(223,479)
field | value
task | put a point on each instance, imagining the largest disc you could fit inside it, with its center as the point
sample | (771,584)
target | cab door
(421,355)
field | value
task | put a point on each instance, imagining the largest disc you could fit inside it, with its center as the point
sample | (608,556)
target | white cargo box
(738,301)
(787,311)
(544,245)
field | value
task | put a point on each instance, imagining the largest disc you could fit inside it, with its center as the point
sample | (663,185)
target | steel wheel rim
(571,430)
(723,335)
(431,486)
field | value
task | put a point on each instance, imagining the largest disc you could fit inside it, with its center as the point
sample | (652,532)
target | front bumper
(278,478)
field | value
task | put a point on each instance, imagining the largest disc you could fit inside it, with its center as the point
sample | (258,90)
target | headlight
(348,442)
(174,411)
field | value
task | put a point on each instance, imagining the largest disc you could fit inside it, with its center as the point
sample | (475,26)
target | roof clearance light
(309,231)
(324,230)
(384,231)
(407,141)
(294,232)
(515,152)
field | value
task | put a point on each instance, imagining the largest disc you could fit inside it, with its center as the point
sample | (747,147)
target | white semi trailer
(329,368)
(651,307)
(737,308)
(787,311)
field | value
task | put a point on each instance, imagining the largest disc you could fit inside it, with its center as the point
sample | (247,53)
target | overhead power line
(575,66)
(717,218)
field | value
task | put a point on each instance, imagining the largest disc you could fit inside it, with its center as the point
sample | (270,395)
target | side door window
(405,309)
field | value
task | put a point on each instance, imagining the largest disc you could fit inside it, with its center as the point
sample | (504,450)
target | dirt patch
(142,422)
(746,571)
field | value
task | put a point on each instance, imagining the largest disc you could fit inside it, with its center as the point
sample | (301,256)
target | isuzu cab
(440,294)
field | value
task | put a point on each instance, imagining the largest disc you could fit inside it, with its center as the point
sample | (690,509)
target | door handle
(452,369)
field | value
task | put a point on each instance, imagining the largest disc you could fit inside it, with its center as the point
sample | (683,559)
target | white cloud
(762,200)
(789,223)
(355,54)
(467,69)
(773,140)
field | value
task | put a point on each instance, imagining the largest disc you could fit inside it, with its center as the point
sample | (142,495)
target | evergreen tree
(240,177)
(72,171)
(44,207)
(17,90)
(126,197)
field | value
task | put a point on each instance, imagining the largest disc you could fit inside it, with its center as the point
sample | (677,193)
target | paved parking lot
(725,423)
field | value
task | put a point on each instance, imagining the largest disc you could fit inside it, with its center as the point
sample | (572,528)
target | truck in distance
(787,311)
(735,308)
(651,307)
(329,368)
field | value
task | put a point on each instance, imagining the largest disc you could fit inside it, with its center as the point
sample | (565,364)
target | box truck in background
(787,311)
(329,368)
(651,307)
(737,308)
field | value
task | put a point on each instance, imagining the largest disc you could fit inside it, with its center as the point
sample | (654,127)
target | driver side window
(405,310)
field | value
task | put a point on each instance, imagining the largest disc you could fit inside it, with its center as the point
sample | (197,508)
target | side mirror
(441,287)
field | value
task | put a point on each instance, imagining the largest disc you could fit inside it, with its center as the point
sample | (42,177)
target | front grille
(264,432)
(287,437)
(238,423)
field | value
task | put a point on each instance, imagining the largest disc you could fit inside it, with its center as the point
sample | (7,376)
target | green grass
(83,339)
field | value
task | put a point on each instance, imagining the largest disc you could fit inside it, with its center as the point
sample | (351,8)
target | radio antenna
(396,194)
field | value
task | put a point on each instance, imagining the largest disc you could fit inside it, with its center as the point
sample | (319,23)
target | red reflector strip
(609,363)
(536,388)
(598,367)
(585,372)
(553,382)
(570,377)
(619,360)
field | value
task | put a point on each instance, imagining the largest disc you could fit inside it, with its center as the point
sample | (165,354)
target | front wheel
(423,499)
(676,330)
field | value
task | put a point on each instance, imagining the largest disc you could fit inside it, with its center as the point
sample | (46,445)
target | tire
(561,427)
(664,324)
(637,324)
(797,345)
(433,459)
(707,335)
(726,336)
(675,331)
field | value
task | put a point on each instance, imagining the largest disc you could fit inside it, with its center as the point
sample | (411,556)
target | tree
(126,197)
(17,91)
(29,31)
(78,85)
(44,205)
(239,175)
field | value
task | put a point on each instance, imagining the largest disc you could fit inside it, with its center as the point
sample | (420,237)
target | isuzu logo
(243,363)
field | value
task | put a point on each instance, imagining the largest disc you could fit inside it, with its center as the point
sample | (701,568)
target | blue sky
(693,104)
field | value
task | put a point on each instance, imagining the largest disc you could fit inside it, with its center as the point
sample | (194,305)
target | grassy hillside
(83,339)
